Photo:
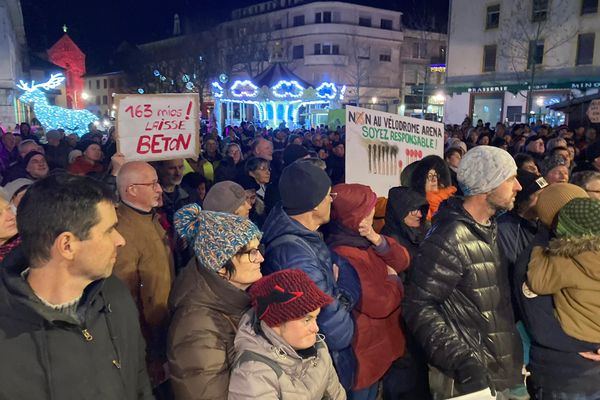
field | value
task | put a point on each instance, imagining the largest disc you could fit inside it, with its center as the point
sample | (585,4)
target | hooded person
(208,300)
(378,260)
(568,269)
(457,262)
(279,353)
(405,218)
(431,177)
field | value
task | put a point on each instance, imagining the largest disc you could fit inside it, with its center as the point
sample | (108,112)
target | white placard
(380,145)
(153,127)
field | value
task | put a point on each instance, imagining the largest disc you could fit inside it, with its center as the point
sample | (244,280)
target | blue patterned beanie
(216,236)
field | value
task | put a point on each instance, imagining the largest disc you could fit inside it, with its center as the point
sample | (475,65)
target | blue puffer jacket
(290,245)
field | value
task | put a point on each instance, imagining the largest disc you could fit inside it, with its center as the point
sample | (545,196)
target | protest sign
(153,127)
(380,145)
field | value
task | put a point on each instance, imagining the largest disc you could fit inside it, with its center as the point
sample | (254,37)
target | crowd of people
(256,272)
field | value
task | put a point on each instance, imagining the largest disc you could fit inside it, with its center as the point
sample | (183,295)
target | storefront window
(487,109)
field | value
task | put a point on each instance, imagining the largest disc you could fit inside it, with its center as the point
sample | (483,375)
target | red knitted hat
(285,296)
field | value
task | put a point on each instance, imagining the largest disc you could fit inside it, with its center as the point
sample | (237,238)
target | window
(317,48)
(298,52)
(323,17)
(335,49)
(121,82)
(385,56)
(104,99)
(277,26)
(326,48)
(443,54)
(98,100)
(419,50)
(585,49)
(90,84)
(105,83)
(111,83)
(387,24)
(493,17)
(489,58)
(364,21)
(539,11)
(363,53)
(589,7)
(536,53)
(299,20)
(98,84)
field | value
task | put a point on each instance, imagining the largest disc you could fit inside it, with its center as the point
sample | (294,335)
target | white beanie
(484,168)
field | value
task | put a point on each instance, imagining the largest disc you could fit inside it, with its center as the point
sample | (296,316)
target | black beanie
(293,152)
(530,183)
(30,155)
(303,186)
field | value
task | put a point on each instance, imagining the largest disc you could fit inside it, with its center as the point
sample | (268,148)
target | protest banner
(154,127)
(380,145)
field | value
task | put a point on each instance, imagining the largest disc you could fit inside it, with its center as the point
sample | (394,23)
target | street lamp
(84,95)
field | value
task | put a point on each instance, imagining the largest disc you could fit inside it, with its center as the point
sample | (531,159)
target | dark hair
(522,158)
(229,267)
(193,180)
(450,152)
(56,204)
(253,163)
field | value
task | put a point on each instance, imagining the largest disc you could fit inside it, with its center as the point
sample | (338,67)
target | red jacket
(378,339)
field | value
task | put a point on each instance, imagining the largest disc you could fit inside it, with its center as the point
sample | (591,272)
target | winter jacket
(401,201)
(205,313)
(82,167)
(311,377)
(290,245)
(554,362)
(514,235)
(458,303)
(435,199)
(49,355)
(570,270)
(145,265)
(378,339)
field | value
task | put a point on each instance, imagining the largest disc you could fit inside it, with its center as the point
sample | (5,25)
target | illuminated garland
(217,90)
(240,89)
(326,90)
(288,89)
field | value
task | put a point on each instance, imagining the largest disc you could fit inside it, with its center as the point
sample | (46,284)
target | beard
(499,203)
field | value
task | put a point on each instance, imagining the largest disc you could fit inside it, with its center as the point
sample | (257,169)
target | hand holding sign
(158,127)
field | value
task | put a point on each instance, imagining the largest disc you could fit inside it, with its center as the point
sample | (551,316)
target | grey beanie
(226,196)
(483,169)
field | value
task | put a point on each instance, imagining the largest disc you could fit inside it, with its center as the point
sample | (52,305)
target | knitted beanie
(483,169)
(579,217)
(216,237)
(530,184)
(226,196)
(553,198)
(552,162)
(302,186)
(30,155)
(285,296)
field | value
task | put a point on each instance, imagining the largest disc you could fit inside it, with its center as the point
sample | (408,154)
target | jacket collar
(226,293)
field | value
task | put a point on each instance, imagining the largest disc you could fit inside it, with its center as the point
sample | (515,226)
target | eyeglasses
(155,185)
(333,195)
(432,176)
(254,253)
(415,213)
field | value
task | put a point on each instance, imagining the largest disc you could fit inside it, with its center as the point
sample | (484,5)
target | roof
(65,43)
(276,73)
(573,102)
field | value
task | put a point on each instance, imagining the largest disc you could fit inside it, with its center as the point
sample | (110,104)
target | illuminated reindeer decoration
(54,117)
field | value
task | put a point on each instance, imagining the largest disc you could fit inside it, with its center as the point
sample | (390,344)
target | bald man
(145,263)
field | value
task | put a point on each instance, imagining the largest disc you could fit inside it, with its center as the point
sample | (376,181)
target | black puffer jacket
(48,355)
(458,302)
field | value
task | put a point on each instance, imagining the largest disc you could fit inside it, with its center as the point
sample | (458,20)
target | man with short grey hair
(458,297)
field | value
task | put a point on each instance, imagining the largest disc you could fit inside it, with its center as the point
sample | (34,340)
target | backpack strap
(248,355)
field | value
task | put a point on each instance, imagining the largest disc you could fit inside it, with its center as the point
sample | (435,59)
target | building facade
(99,91)
(364,48)
(67,55)
(12,55)
(510,59)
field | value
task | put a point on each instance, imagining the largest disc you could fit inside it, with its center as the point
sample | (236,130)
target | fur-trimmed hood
(573,246)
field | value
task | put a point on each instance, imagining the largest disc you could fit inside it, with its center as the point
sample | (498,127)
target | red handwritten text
(160,143)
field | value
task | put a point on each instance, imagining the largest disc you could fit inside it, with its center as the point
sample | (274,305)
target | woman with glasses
(208,300)
(232,164)
(259,169)
(431,178)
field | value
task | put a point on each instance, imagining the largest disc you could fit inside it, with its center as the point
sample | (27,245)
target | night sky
(98,27)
